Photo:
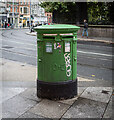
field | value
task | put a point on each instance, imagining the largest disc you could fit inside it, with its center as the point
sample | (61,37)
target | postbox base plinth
(57,90)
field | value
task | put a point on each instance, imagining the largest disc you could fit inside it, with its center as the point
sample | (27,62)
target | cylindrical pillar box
(57,61)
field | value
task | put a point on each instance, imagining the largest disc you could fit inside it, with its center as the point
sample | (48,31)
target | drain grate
(7,47)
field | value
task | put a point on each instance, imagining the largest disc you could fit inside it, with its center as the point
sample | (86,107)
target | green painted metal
(57,52)
(59,28)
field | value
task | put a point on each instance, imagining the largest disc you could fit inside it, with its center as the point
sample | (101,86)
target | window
(20,9)
(21,15)
(28,10)
(16,9)
(67,46)
(2,10)
(24,2)
(9,8)
(49,47)
(20,20)
(32,11)
(25,10)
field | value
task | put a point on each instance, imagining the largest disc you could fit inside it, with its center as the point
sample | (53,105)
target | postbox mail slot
(48,37)
(67,36)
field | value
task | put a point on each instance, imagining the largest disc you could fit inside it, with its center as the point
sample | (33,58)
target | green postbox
(57,61)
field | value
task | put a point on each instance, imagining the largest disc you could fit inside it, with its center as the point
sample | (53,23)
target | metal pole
(30,15)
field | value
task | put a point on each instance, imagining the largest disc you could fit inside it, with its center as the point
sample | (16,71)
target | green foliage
(51,6)
(110,6)
(98,12)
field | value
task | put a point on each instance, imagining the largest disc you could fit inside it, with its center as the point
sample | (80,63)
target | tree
(111,12)
(72,12)
(99,12)
(66,12)
(51,6)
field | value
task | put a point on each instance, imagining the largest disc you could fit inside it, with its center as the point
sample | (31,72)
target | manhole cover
(7,47)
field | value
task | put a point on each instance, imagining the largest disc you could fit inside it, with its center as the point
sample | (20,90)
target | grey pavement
(21,101)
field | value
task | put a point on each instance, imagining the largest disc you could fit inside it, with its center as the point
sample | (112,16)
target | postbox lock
(39,60)
(75,59)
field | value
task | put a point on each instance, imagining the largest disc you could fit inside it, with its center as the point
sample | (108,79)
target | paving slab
(8,93)
(30,94)
(7,114)
(101,94)
(0,111)
(81,90)
(0,94)
(17,105)
(94,83)
(85,119)
(108,113)
(49,109)
(0,73)
(85,108)
(29,115)
(71,101)
(21,84)
(16,71)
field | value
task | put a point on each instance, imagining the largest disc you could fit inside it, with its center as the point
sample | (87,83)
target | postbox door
(57,61)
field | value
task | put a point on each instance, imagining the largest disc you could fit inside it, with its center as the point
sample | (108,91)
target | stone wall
(99,31)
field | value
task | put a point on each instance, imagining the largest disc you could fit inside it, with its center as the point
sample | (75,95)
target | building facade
(3,13)
(13,13)
(38,13)
(24,13)
(20,13)
(49,17)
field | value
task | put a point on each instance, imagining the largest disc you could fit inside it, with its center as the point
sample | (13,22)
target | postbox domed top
(57,28)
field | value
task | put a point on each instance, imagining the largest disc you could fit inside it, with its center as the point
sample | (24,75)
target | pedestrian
(12,25)
(20,24)
(8,25)
(2,25)
(5,24)
(85,28)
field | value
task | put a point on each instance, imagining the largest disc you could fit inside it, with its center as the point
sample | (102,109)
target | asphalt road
(94,59)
